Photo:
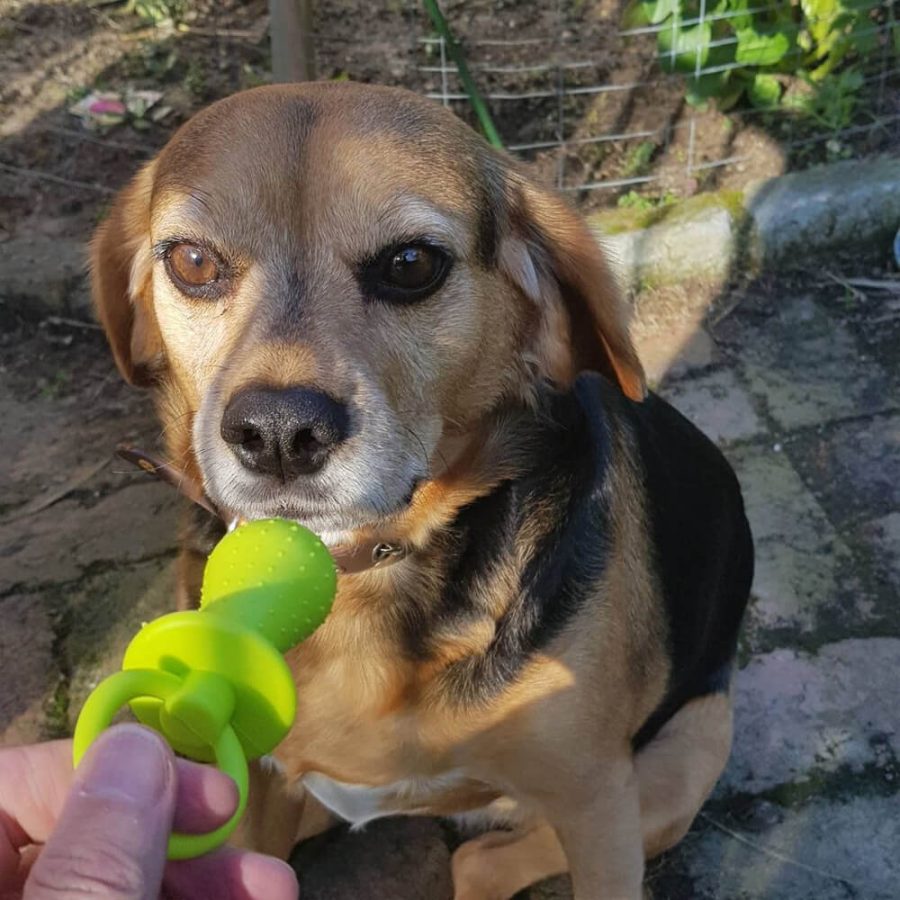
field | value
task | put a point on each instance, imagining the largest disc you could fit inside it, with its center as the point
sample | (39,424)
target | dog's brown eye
(412,268)
(405,273)
(191,266)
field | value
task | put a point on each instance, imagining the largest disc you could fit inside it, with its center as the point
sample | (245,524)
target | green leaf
(706,87)
(639,13)
(733,92)
(863,37)
(764,91)
(658,11)
(851,80)
(745,19)
(820,10)
(684,49)
(756,48)
(633,16)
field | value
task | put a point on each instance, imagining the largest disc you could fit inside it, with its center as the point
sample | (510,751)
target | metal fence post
(291,30)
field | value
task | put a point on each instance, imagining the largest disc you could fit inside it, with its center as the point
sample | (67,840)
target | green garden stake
(213,681)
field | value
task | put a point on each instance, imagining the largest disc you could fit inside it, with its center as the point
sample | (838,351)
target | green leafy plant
(159,12)
(645,202)
(739,50)
(830,102)
(639,159)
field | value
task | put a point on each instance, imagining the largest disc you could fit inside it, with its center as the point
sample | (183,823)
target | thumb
(110,840)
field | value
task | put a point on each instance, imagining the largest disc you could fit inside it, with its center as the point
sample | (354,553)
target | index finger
(35,781)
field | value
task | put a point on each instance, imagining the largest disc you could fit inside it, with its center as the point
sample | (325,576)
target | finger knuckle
(88,871)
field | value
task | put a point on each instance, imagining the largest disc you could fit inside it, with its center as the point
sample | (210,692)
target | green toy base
(117,690)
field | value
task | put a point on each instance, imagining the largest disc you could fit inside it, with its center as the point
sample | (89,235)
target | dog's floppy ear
(121,283)
(551,255)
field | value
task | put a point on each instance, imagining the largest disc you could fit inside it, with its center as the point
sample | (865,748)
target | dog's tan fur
(551,753)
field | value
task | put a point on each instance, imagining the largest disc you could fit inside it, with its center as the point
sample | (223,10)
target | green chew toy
(213,681)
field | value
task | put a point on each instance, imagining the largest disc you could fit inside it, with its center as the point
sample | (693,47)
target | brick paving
(798,384)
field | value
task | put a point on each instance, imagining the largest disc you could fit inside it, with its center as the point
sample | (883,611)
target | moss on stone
(620,221)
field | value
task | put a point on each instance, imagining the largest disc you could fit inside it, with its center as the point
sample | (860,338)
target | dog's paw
(474,869)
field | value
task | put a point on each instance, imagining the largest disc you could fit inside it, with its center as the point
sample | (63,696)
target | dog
(354,313)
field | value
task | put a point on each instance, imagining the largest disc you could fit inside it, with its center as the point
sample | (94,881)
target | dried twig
(887,317)
(775,854)
(58,179)
(254,35)
(55,494)
(721,315)
(94,139)
(846,285)
(891,285)
(72,323)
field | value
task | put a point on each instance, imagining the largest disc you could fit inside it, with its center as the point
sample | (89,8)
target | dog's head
(330,282)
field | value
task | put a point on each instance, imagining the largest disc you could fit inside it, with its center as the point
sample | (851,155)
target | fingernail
(221,794)
(129,761)
(265,878)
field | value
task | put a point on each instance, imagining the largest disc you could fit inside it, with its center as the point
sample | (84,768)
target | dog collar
(350,559)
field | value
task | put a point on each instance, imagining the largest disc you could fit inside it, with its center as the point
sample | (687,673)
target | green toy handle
(117,690)
(213,682)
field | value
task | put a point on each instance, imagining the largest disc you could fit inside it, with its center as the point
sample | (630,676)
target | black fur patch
(564,486)
(700,547)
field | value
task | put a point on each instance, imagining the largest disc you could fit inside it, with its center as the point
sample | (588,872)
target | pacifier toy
(213,681)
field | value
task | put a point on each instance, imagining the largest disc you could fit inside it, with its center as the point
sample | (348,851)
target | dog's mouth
(332,523)
(351,554)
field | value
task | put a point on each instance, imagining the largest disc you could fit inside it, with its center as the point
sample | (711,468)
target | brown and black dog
(356,314)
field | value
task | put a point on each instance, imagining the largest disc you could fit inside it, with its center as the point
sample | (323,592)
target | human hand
(102,832)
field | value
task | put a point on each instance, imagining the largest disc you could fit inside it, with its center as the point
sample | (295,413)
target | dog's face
(333,283)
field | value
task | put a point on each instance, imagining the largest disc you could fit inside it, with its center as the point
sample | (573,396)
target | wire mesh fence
(613,101)
(669,106)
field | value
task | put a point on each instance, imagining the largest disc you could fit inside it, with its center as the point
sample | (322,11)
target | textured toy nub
(213,681)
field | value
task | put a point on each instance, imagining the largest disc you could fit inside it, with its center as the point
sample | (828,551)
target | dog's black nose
(284,432)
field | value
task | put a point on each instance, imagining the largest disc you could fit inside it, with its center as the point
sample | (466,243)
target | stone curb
(775,224)
(847,207)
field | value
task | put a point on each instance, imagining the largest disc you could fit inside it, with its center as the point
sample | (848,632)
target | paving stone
(778,503)
(27,669)
(792,587)
(717,404)
(103,614)
(826,850)
(884,534)
(676,351)
(798,552)
(854,467)
(133,523)
(805,364)
(808,792)
(797,713)
(400,859)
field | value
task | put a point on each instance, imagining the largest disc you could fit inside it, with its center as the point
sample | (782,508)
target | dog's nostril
(285,432)
(305,443)
(252,440)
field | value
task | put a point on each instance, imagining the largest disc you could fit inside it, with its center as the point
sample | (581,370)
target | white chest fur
(359,803)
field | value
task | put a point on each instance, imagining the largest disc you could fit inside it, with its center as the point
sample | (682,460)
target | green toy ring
(213,682)
(123,687)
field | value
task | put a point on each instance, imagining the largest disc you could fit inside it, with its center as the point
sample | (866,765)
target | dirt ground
(51,53)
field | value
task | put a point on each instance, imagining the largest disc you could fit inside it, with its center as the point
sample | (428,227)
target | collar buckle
(382,552)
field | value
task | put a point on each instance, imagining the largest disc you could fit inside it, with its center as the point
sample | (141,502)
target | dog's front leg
(279,813)
(598,821)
